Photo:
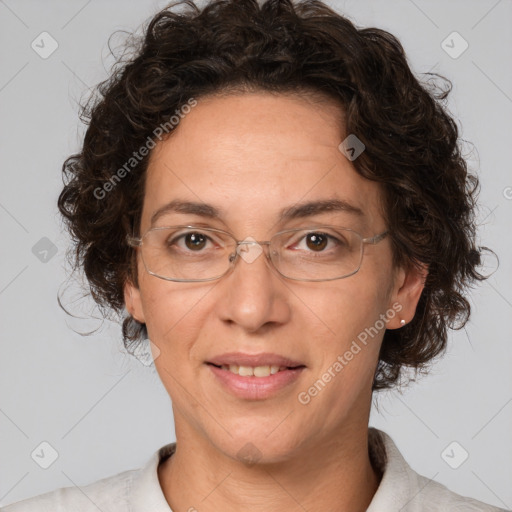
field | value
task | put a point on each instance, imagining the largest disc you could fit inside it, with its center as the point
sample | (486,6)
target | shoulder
(137,490)
(435,496)
(401,488)
(108,495)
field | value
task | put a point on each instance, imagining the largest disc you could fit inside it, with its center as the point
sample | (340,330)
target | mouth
(255,371)
(255,376)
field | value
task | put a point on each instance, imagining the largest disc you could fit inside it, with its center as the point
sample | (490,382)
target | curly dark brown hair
(278,46)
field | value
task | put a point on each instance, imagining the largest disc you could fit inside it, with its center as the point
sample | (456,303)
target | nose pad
(249,249)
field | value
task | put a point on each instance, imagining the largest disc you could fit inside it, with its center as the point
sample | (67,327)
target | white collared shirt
(401,489)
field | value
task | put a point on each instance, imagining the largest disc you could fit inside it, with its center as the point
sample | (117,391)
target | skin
(251,155)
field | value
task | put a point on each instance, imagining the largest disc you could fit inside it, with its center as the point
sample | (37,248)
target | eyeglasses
(193,253)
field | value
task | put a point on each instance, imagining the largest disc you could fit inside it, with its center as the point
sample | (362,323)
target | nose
(253,295)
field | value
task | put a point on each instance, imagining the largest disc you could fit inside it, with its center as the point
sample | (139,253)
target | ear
(133,302)
(409,283)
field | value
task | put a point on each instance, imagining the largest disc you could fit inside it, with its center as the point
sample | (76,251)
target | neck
(335,475)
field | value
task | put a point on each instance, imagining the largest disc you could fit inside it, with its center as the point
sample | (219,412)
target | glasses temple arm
(133,241)
(376,239)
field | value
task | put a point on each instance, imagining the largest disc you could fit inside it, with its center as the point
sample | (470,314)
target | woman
(283,210)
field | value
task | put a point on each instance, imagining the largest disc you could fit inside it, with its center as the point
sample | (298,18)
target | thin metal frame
(138,241)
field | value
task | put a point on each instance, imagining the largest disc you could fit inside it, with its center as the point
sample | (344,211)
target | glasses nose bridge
(251,242)
(235,257)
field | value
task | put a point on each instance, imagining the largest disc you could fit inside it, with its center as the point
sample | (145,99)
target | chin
(256,446)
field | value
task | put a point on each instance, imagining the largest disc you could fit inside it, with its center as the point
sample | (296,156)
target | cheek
(348,308)
(350,331)
(174,316)
(345,351)
(174,313)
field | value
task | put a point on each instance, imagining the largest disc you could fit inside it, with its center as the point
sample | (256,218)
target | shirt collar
(399,483)
(146,492)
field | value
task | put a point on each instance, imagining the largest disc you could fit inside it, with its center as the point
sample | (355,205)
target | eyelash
(208,238)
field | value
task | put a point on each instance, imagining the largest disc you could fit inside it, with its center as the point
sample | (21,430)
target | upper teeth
(256,371)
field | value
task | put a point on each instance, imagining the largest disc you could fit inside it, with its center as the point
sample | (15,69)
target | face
(251,156)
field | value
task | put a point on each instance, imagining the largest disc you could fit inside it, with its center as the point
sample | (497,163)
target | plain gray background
(104,412)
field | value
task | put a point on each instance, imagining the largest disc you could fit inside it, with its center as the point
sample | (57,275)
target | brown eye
(195,241)
(316,241)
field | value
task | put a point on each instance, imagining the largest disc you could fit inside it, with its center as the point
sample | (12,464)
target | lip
(255,388)
(262,359)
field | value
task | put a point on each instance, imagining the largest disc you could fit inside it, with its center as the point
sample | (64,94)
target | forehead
(256,156)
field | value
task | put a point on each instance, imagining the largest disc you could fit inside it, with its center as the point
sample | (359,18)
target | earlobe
(410,285)
(133,302)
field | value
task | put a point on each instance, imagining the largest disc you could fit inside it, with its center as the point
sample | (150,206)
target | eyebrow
(297,211)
